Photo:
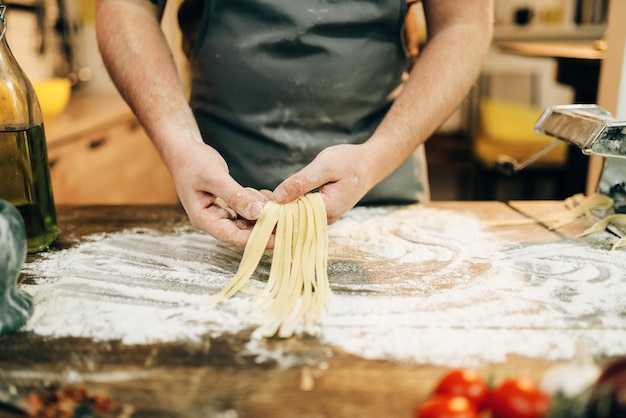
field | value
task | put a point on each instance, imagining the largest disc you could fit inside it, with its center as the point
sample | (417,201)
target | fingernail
(280,195)
(254,209)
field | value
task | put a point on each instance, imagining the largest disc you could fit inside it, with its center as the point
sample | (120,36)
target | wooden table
(214,377)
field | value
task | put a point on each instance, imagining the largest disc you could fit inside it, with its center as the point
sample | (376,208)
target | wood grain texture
(217,376)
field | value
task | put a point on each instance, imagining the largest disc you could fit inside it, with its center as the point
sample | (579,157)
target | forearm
(138,59)
(459,38)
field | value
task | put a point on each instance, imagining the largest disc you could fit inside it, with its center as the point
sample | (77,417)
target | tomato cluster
(464,393)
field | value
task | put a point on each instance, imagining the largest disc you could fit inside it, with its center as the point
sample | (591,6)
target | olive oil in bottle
(25,182)
(24,169)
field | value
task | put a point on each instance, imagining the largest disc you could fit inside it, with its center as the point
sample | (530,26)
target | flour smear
(411,284)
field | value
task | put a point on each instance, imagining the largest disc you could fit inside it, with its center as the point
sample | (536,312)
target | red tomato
(519,398)
(445,406)
(467,383)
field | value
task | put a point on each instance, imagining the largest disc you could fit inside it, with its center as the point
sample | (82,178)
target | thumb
(294,187)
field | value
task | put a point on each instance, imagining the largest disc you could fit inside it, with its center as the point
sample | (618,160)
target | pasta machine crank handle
(509,165)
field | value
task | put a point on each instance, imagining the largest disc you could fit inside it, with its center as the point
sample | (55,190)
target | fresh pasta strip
(601,225)
(619,243)
(297,290)
(251,255)
(577,206)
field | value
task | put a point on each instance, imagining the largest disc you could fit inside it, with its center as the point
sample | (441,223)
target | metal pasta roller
(595,132)
(589,127)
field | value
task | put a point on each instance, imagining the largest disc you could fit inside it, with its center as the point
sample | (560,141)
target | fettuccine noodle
(297,290)
(601,225)
(577,206)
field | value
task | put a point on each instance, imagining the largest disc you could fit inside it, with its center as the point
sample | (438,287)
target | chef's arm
(140,63)
(459,36)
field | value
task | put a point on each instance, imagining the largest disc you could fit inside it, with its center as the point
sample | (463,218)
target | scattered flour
(413,284)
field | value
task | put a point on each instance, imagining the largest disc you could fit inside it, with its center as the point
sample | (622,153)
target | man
(289,96)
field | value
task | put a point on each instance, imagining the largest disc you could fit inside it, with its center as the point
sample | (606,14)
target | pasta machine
(595,132)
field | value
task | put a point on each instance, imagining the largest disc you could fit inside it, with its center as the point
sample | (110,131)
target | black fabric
(277,81)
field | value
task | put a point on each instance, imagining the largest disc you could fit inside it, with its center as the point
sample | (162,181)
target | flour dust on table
(412,284)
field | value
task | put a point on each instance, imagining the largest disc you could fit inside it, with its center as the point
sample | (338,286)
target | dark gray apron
(274,82)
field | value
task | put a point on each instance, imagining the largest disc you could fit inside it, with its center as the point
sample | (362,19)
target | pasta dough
(577,206)
(297,290)
(601,225)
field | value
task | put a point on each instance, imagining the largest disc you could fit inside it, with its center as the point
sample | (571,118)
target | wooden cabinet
(100,154)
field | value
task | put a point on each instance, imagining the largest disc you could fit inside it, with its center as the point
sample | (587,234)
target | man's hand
(342,173)
(213,200)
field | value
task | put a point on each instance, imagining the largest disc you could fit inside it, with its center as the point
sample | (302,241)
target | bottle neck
(4,45)
(3,22)
(19,106)
(5,51)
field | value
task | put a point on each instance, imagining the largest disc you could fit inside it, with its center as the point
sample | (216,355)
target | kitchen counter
(100,154)
(416,290)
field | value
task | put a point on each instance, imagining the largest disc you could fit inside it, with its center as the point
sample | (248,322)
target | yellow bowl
(54,95)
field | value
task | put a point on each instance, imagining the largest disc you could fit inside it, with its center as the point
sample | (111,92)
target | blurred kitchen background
(517,83)
(100,154)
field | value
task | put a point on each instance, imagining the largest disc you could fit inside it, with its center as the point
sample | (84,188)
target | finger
(230,213)
(309,178)
(267,193)
(242,224)
(236,232)
(221,222)
(247,202)
(218,223)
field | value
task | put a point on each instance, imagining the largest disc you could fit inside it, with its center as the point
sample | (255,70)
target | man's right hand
(213,200)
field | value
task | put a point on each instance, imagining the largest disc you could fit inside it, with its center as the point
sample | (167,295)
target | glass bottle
(24,169)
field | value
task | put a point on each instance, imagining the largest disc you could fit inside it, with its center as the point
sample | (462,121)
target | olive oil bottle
(24,169)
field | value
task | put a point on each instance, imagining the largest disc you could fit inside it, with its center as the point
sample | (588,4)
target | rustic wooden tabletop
(416,290)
